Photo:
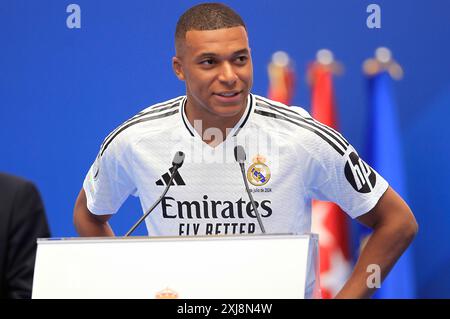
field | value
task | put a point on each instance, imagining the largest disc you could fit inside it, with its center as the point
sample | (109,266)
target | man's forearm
(90,227)
(383,249)
(88,224)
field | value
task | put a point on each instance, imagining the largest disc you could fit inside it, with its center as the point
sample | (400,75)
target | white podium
(236,267)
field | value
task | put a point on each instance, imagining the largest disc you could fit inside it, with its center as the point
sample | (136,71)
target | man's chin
(228,110)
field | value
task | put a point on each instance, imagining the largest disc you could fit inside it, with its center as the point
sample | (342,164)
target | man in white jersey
(291,158)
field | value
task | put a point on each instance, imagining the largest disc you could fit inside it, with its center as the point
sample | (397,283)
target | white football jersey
(291,159)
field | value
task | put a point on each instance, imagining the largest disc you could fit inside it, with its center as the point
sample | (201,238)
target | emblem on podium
(166,293)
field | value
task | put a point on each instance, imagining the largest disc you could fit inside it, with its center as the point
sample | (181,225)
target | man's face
(217,68)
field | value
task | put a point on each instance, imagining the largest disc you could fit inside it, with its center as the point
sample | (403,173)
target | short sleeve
(344,178)
(108,183)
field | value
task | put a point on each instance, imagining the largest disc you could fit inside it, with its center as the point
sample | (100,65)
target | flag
(281,77)
(384,154)
(328,220)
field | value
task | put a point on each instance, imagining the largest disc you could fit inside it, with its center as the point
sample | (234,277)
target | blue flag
(384,154)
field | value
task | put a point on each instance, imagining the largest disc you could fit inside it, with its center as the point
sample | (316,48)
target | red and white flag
(281,78)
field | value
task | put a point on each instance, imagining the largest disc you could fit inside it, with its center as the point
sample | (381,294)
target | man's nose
(227,74)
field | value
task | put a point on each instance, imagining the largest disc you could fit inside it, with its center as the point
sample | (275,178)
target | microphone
(239,155)
(177,162)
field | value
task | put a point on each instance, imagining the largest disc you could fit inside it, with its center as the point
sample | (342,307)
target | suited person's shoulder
(13,181)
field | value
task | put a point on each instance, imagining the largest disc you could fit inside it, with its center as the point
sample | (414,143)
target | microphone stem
(175,169)
(258,217)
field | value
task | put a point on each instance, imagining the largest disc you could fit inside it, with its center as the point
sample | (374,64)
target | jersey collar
(239,125)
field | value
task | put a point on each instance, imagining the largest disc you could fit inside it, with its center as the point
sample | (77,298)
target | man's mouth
(229,94)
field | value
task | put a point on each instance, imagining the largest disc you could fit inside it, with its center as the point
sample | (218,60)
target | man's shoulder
(11,185)
(161,106)
(267,104)
(281,118)
(152,119)
(12,181)
(153,112)
(298,126)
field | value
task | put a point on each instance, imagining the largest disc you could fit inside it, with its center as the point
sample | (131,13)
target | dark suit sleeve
(28,222)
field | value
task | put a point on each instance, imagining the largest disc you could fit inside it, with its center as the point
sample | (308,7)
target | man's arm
(394,228)
(88,224)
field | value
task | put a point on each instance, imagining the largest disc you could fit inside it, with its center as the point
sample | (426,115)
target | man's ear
(178,68)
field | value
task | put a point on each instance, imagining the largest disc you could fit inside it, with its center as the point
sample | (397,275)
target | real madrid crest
(258,173)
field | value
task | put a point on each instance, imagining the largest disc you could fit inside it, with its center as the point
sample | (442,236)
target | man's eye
(242,59)
(207,62)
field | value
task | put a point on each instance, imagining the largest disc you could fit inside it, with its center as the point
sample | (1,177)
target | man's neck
(211,127)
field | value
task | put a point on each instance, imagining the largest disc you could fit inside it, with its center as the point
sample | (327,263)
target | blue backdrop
(62,90)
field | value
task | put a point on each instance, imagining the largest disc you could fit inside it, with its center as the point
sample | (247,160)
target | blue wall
(62,90)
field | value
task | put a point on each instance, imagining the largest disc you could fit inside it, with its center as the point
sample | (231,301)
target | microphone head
(178,159)
(239,154)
